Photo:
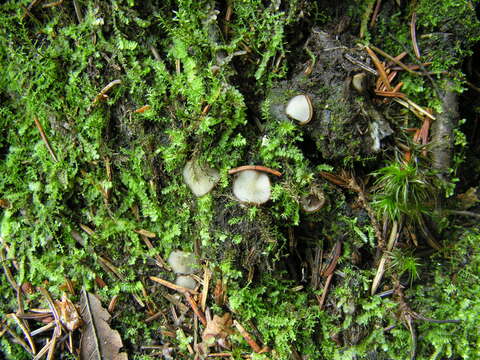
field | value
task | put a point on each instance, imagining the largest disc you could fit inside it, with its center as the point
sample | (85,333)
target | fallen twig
(409,104)
(381,266)
(195,309)
(321,301)
(45,139)
(254,167)
(380,67)
(25,331)
(52,4)
(393,59)
(248,338)
(413,35)
(172,286)
(103,93)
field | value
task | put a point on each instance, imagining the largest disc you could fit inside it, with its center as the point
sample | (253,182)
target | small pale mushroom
(182,262)
(251,186)
(186,282)
(300,108)
(313,201)
(359,82)
(200,180)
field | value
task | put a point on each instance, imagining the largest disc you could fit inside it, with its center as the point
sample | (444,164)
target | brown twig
(336,251)
(379,66)
(142,109)
(6,269)
(207,275)
(103,93)
(393,59)
(158,258)
(413,35)
(393,94)
(321,301)
(25,331)
(254,167)
(112,304)
(248,338)
(172,286)
(195,309)
(45,139)
(52,4)
(375,13)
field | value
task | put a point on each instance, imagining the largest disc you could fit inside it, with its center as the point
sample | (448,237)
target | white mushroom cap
(186,282)
(182,262)
(300,108)
(252,186)
(199,180)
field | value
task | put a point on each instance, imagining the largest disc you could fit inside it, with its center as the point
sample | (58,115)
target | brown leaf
(99,341)
(69,315)
(217,329)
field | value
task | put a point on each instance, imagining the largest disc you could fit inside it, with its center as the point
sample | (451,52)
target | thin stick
(409,104)
(160,262)
(112,304)
(43,351)
(7,271)
(172,286)
(53,343)
(463,213)
(361,65)
(18,339)
(53,309)
(103,93)
(413,35)
(25,332)
(321,302)
(248,338)
(393,59)
(206,284)
(394,94)
(196,310)
(45,139)
(78,12)
(155,316)
(254,167)
(375,13)
(43,329)
(380,68)
(52,4)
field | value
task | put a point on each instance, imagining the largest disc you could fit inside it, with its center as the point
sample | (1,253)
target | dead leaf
(468,199)
(217,330)
(99,341)
(69,315)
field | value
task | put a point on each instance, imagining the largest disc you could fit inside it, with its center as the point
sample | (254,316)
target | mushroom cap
(313,202)
(182,262)
(186,282)
(200,179)
(252,186)
(300,108)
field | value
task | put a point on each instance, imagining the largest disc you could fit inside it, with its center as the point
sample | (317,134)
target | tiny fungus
(300,108)
(200,180)
(359,82)
(313,201)
(182,262)
(186,282)
(251,186)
